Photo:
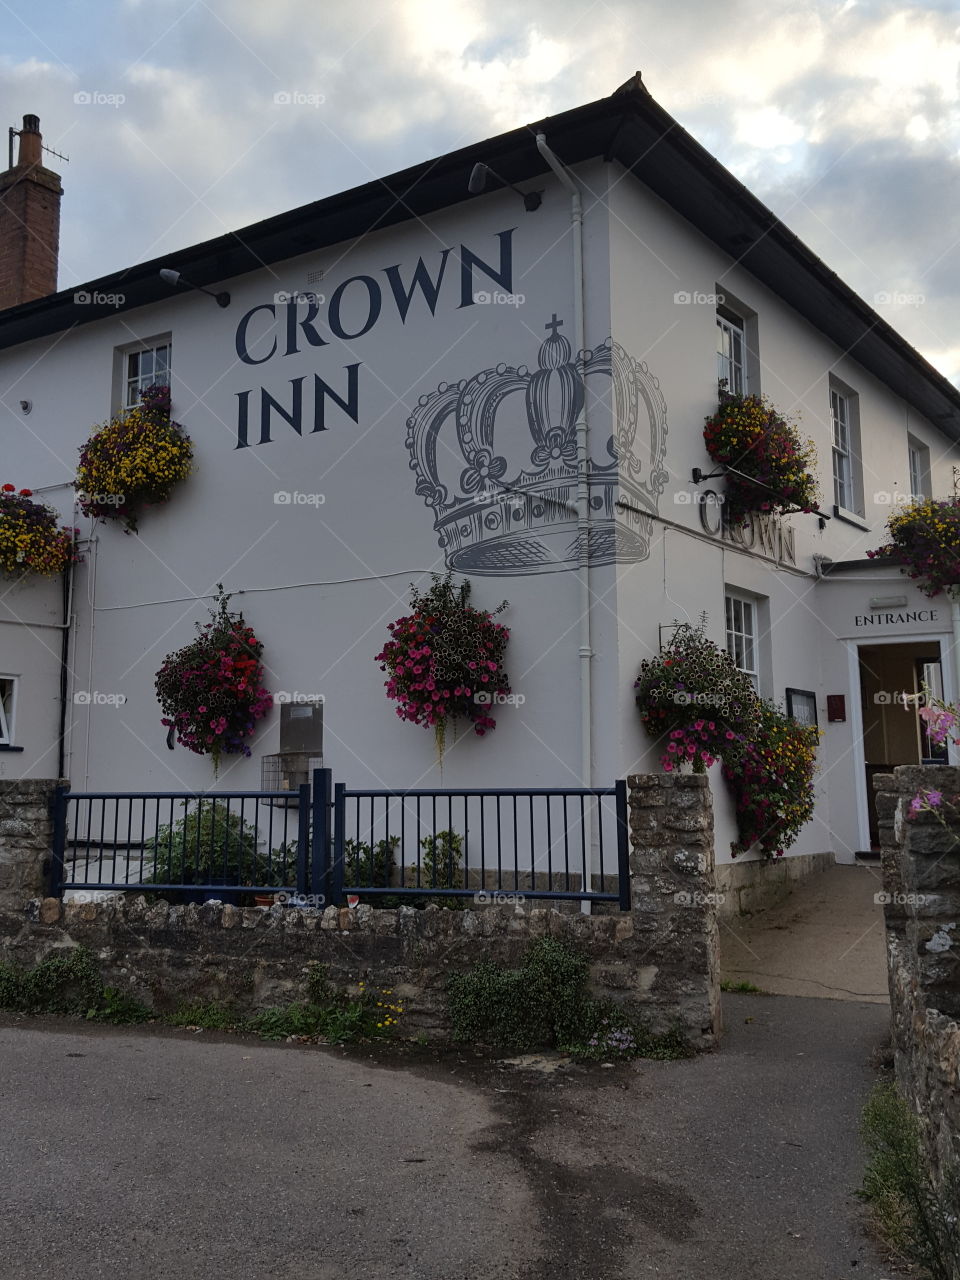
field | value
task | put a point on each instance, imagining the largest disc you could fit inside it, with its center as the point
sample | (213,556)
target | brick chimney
(29,222)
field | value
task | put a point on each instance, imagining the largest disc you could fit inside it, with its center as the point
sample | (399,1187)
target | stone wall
(748,885)
(662,954)
(26,836)
(921,881)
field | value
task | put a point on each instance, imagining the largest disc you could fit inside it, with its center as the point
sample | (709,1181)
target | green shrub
(909,1212)
(207,845)
(442,855)
(66,981)
(369,867)
(542,1003)
(545,1003)
(11,988)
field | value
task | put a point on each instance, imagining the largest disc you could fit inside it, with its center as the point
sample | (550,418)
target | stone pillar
(26,840)
(921,883)
(674,892)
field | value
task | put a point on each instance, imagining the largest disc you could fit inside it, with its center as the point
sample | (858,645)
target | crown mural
(496,460)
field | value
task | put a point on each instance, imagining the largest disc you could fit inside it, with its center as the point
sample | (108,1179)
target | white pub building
(391,389)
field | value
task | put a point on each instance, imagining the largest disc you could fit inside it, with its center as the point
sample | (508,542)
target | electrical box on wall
(836,708)
(301,747)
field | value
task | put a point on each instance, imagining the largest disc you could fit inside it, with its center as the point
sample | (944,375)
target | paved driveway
(128,1154)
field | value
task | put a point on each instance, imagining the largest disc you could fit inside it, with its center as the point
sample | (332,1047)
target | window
(919,461)
(731,352)
(8,685)
(742,635)
(845,425)
(144,366)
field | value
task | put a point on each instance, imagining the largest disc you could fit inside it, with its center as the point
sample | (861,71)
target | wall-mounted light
(478,182)
(168,276)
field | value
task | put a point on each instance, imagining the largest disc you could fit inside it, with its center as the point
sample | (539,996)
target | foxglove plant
(211,692)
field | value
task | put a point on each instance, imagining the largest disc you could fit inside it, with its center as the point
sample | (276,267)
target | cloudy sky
(842,116)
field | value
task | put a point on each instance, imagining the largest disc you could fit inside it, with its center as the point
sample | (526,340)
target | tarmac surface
(141,1153)
(827,939)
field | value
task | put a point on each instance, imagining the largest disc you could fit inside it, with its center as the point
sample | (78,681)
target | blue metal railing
(534,843)
(192,844)
(333,842)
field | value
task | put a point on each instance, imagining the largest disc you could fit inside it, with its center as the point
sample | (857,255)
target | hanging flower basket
(695,701)
(31,540)
(211,692)
(769,466)
(703,709)
(772,783)
(925,542)
(133,461)
(444,660)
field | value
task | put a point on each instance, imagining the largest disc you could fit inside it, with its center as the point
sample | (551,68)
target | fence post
(320,847)
(339,816)
(303,836)
(623,845)
(59,840)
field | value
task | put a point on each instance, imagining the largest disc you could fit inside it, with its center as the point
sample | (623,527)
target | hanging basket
(31,539)
(769,465)
(134,461)
(211,692)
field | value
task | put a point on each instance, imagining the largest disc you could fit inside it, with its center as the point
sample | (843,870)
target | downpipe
(583,489)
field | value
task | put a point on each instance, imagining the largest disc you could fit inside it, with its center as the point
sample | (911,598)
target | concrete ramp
(827,939)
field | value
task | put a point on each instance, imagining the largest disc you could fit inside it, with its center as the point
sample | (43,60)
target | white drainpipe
(583,490)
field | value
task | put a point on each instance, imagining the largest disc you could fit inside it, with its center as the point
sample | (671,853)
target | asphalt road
(130,1154)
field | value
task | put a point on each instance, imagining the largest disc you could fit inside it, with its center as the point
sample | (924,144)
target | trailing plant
(31,539)
(771,782)
(920,1221)
(925,542)
(769,465)
(133,461)
(696,701)
(444,660)
(211,692)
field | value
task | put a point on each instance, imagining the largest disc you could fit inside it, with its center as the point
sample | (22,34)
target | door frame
(945,642)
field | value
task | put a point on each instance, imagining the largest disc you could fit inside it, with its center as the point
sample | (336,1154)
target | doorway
(891,678)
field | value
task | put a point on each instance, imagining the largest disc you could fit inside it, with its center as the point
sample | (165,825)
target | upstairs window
(847,468)
(143,367)
(731,352)
(742,635)
(918,456)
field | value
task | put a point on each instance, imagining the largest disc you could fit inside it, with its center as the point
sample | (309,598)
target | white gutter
(583,490)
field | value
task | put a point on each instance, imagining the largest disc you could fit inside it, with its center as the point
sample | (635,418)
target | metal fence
(232,845)
(330,843)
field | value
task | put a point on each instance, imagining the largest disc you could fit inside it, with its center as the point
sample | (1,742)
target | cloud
(844,118)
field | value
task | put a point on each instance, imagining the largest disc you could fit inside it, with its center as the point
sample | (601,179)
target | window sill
(851,517)
(5,746)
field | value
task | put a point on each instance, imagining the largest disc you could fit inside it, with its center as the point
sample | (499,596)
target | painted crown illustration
(508,437)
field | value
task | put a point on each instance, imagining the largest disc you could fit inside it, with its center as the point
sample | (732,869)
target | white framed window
(847,467)
(731,352)
(742,639)
(918,457)
(8,698)
(143,365)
